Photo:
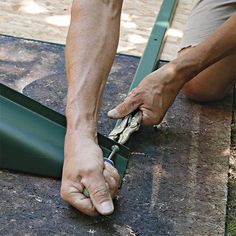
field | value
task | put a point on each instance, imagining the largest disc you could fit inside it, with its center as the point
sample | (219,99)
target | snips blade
(132,126)
(114,134)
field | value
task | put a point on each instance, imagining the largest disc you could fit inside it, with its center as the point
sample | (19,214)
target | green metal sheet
(32,137)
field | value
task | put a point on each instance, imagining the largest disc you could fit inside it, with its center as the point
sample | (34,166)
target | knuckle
(117,177)
(109,167)
(106,173)
(88,170)
(100,192)
(138,94)
(112,171)
(122,108)
(136,97)
(64,193)
(113,185)
(128,105)
(113,182)
(133,101)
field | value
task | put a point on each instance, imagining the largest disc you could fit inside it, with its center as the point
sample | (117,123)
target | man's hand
(84,167)
(153,96)
(87,70)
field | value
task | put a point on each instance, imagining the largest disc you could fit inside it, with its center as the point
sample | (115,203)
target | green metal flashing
(152,52)
(32,137)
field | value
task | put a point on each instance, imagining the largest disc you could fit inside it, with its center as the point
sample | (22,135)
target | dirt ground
(231,206)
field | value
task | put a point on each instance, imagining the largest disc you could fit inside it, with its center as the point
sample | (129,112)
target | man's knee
(190,91)
(194,92)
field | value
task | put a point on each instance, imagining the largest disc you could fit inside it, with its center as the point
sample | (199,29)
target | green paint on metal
(32,137)
(151,56)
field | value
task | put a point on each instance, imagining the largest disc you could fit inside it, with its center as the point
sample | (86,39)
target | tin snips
(128,125)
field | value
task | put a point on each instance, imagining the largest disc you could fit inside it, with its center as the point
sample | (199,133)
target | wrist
(80,115)
(188,64)
(82,124)
(82,133)
(83,128)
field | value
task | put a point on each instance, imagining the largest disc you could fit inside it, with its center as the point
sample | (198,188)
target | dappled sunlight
(31,7)
(174,33)
(125,48)
(135,30)
(125,17)
(129,25)
(135,38)
(59,20)
(49,20)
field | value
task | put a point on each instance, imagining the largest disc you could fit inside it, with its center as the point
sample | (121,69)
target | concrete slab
(49,20)
(176,183)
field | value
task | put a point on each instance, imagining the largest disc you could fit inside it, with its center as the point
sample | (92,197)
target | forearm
(90,50)
(221,43)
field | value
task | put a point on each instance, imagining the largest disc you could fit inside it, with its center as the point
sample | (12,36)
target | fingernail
(113,113)
(106,207)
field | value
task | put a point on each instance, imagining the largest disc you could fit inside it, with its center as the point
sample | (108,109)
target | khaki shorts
(205,18)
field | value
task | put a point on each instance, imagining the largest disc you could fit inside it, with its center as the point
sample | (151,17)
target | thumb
(126,107)
(99,193)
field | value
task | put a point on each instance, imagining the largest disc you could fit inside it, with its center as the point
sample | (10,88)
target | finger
(72,195)
(99,192)
(112,171)
(112,183)
(82,203)
(126,107)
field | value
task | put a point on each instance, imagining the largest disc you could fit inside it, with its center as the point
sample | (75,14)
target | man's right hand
(84,167)
(153,96)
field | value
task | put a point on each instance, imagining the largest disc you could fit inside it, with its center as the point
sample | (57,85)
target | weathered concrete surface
(49,21)
(176,183)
